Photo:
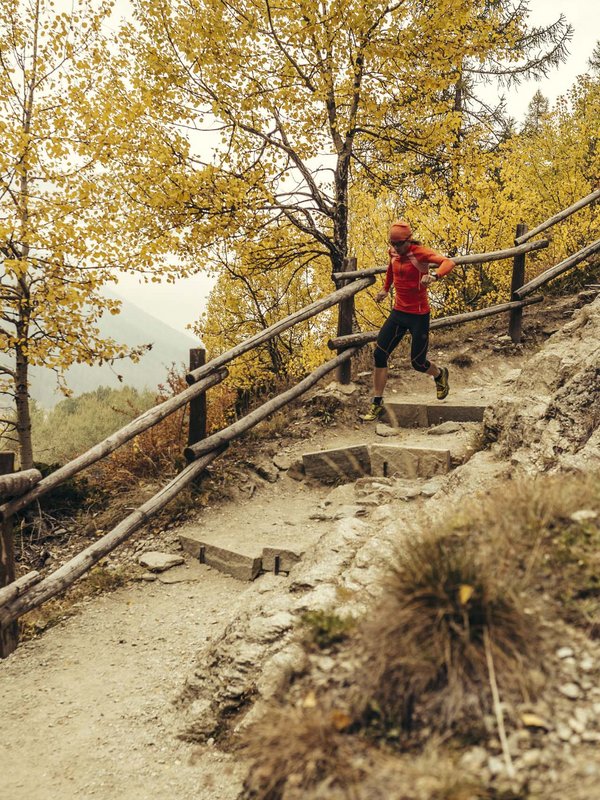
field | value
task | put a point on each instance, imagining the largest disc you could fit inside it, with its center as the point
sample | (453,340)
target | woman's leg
(419,330)
(390,335)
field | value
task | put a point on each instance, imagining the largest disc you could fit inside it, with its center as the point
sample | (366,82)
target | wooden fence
(17,597)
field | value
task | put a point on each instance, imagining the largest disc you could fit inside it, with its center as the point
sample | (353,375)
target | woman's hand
(427,279)
(380,296)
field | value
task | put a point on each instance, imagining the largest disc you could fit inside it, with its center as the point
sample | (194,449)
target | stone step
(242,559)
(340,465)
(422,415)
(243,566)
(343,465)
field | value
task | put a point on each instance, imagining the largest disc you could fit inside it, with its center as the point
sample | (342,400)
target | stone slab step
(409,462)
(344,465)
(422,415)
(243,566)
(340,465)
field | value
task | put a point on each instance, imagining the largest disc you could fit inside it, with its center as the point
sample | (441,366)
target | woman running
(408,272)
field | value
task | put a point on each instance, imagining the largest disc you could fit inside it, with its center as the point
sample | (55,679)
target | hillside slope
(94,717)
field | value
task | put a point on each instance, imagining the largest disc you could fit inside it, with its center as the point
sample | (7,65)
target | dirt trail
(87,709)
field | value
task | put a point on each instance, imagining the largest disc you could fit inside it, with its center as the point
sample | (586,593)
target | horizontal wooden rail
(18,482)
(65,576)
(558,269)
(590,198)
(18,587)
(274,330)
(474,258)
(360,339)
(252,419)
(140,424)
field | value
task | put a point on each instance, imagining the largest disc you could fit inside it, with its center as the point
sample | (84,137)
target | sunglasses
(400,243)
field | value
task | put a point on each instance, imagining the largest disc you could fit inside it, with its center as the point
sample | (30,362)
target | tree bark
(19,482)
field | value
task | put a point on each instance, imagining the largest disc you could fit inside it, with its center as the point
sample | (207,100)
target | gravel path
(87,709)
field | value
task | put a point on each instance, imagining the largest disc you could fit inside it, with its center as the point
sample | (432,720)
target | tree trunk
(23,410)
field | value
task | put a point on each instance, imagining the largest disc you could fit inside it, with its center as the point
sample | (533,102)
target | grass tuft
(425,643)
(325,628)
(296,750)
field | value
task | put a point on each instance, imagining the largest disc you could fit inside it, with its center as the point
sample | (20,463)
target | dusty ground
(87,708)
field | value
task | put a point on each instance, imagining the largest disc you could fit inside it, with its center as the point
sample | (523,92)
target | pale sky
(182,303)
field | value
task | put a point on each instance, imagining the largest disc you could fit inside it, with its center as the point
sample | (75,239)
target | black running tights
(391,334)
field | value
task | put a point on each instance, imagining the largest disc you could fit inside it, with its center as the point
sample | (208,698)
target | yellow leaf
(465,592)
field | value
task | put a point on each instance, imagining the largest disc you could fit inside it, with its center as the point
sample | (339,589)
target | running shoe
(442,387)
(373,413)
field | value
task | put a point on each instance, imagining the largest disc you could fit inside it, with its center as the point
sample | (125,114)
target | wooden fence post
(515,323)
(197,422)
(9,634)
(344,327)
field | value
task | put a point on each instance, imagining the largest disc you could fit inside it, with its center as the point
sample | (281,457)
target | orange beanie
(399,231)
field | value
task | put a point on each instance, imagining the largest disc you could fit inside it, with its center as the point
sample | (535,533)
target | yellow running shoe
(442,387)
(373,413)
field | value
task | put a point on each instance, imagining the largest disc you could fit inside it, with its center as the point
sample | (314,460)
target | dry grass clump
(429,643)
(545,532)
(296,750)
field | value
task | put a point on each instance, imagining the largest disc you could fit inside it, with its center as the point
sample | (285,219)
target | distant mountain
(133,326)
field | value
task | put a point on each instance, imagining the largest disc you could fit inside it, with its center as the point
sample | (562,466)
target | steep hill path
(87,709)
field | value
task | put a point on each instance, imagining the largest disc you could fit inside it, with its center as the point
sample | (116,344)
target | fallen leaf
(465,592)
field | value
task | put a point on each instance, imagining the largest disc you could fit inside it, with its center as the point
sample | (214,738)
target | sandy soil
(87,709)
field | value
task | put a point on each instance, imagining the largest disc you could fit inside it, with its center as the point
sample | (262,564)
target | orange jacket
(405,271)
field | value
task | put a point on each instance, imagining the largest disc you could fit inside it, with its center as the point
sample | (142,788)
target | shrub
(426,645)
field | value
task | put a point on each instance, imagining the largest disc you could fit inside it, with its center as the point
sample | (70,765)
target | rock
(267,629)
(496,765)
(159,562)
(474,759)
(445,427)
(586,664)
(148,576)
(584,515)
(531,758)
(563,732)
(296,470)
(535,721)
(282,462)
(385,430)
(265,469)
(570,690)
(576,725)
(565,652)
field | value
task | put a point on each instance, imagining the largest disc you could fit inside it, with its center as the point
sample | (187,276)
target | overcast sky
(182,303)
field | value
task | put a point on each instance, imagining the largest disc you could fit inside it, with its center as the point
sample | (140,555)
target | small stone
(583,515)
(159,562)
(385,430)
(495,765)
(531,758)
(590,737)
(570,690)
(565,652)
(535,721)
(148,576)
(563,732)
(282,462)
(586,664)
(474,759)
(576,726)
(575,740)
(444,428)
